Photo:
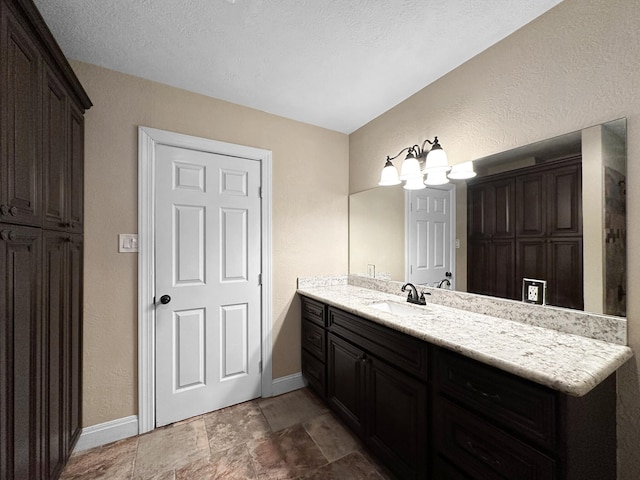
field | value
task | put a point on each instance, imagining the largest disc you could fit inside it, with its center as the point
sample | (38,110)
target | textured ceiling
(335,64)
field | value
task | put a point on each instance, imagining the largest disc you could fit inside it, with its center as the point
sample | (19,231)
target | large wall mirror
(377,217)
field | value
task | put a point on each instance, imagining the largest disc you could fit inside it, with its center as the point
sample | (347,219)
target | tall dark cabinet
(527,224)
(41,194)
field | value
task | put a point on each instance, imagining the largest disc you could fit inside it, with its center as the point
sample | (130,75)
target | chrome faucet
(413,297)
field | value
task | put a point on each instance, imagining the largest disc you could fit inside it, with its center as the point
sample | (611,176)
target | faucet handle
(423,300)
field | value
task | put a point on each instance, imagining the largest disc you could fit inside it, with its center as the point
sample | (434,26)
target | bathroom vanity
(442,393)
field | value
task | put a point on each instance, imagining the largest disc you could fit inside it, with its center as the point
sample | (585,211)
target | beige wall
(376,232)
(310,183)
(578,65)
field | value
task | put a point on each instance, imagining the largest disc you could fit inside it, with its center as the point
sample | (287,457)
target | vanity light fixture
(420,162)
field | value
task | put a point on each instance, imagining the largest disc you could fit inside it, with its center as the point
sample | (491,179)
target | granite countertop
(569,363)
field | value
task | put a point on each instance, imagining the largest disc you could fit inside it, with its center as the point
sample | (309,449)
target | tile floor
(292,436)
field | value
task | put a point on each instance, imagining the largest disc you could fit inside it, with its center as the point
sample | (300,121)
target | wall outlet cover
(534,291)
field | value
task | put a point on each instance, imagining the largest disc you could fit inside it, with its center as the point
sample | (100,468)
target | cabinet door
(54,322)
(565,285)
(396,419)
(20,345)
(345,382)
(479,200)
(503,208)
(20,149)
(479,274)
(73,349)
(503,268)
(75,183)
(565,201)
(531,205)
(531,260)
(491,268)
(54,152)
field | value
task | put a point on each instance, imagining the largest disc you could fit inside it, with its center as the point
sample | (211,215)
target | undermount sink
(400,308)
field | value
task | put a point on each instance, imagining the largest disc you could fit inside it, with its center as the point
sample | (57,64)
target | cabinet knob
(8,235)
(13,211)
(4,209)
(164,299)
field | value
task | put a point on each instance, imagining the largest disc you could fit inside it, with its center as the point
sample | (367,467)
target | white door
(431,231)
(208,272)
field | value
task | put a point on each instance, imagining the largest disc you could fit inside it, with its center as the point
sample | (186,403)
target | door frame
(451,187)
(148,139)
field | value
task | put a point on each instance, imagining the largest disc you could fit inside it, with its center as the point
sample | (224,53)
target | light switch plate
(534,291)
(128,242)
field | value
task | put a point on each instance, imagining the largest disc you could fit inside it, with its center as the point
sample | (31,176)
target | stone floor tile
(235,425)
(232,464)
(353,467)
(291,408)
(334,440)
(114,461)
(286,454)
(169,448)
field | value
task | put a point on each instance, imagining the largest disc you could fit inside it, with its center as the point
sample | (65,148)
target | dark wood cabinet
(427,412)
(494,425)
(491,210)
(376,383)
(41,193)
(314,345)
(20,126)
(21,414)
(527,224)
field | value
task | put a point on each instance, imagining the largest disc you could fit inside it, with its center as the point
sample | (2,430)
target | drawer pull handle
(4,209)
(483,454)
(490,396)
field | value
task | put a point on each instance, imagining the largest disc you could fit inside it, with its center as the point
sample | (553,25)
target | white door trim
(148,138)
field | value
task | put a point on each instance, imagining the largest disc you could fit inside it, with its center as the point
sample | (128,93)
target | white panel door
(207,271)
(430,234)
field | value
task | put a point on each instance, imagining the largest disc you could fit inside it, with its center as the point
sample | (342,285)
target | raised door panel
(20,148)
(345,382)
(75,153)
(396,419)
(531,205)
(565,201)
(54,329)
(484,451)
(565,285)
(531,259)
(479,273)
(20,347)
(502,268)
(54,153)
(503,210)
(480,201)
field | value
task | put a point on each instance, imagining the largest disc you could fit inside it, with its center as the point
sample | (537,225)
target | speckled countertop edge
(569,363)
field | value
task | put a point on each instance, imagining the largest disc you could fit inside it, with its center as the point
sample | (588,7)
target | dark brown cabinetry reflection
(527,224)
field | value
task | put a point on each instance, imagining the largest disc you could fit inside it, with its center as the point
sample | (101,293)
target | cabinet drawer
(314,311)
(483,450)
(315,373)
(403,351)
(524,407)
(314,339)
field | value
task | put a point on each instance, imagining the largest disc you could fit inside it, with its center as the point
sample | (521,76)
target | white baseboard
(103,433)
(288,384)
(121,428)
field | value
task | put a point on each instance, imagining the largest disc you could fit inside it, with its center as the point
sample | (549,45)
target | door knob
(164,299)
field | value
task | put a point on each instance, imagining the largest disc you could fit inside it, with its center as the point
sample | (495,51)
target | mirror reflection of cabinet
(527,223)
